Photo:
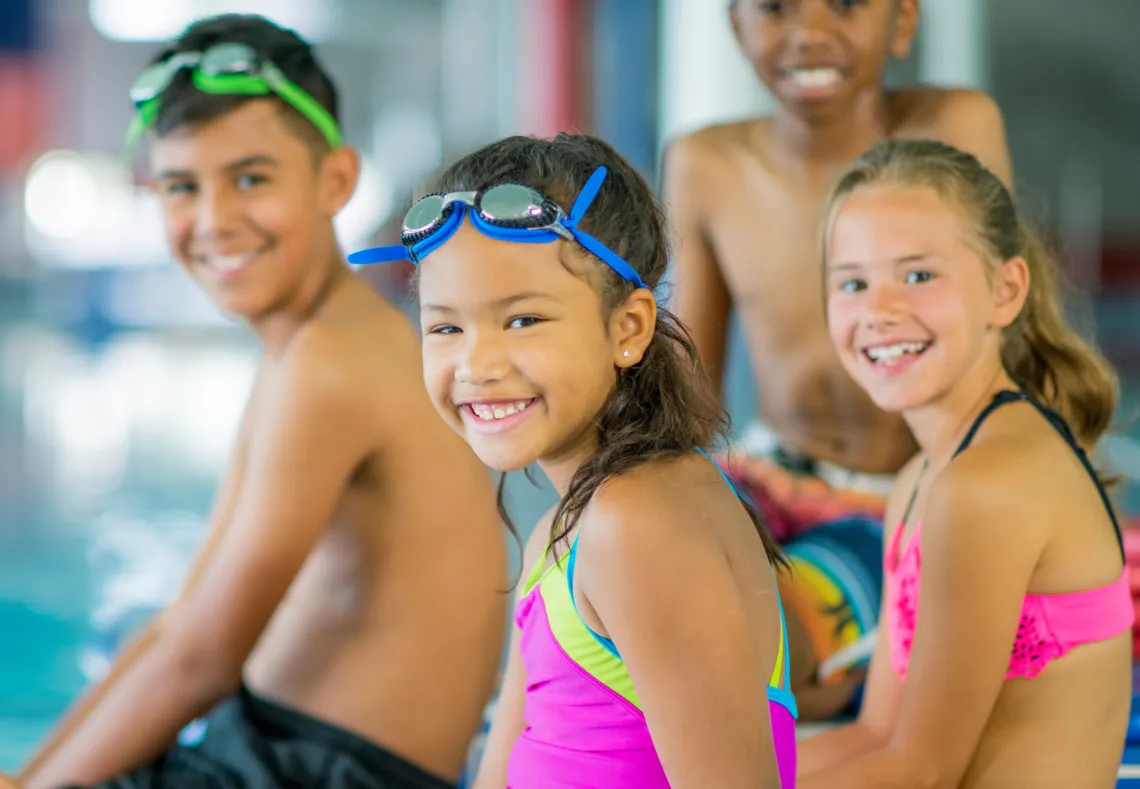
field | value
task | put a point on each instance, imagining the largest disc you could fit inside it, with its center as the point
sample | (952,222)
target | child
(744,200)
(343,623)
(946,311)
(650,649)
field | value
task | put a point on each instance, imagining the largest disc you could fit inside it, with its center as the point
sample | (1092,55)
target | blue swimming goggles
(508,212)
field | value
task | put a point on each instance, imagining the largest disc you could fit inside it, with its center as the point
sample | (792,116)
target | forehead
(885,221)
(471,269)
(255,128)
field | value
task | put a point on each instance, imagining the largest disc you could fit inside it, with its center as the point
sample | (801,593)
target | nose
(813,25)
(886,305)
(483,360)
(215,213)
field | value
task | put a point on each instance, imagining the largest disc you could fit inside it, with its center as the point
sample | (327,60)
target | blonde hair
(1040,351)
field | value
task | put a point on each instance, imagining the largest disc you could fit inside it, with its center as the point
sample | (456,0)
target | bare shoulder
(689,157)
(658,502)
(948,108)
(965,118)
(368,355)
(1000,478)
(315,367)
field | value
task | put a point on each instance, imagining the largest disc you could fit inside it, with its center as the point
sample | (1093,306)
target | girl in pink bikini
(1014,670)
(650,647)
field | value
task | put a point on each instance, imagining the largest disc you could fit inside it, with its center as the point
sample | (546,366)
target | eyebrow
(259,159)
(502,303)
(899,261)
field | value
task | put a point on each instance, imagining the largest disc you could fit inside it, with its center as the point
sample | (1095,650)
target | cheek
(439,368)
(280,216)
(842,317)
(940,306)
(178,221)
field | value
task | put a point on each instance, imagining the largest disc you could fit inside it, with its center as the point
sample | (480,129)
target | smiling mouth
(819,78)
(894,353)
(494,411)
(228,265)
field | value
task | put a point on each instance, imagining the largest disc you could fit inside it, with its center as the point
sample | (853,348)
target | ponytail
(1049,360)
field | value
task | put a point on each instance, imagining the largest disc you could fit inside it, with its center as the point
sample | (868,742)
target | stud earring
(625,354)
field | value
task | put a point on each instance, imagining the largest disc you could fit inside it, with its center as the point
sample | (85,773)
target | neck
(839,134)
(940,426)
(276,327)
(561,466)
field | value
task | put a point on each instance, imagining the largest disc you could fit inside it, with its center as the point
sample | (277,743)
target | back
(394,626)
(746,211)
(701,507)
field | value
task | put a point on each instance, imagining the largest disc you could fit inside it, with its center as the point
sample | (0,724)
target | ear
(905,28)
(1011,289)
(338,175)
(631,327)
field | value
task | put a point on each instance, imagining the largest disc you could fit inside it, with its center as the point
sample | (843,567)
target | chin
(900,399)
(500,456)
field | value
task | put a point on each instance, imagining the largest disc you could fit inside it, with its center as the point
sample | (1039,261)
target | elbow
(209,675)
(922,771)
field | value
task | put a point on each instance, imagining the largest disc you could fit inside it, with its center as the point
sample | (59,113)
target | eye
(247,181)
(852,285)
(918,277)
(524,322)
(771,6)
(444,329)
(179,187)
(846,5)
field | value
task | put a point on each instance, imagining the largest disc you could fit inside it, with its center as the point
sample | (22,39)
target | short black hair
(182,104)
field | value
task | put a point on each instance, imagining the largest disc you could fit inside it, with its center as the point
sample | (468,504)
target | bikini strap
(1000,399)
(1062,427)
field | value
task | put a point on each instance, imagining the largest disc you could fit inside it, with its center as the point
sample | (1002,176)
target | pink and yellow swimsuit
(585,728)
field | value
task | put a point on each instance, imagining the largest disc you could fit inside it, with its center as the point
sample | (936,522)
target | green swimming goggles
(225,69)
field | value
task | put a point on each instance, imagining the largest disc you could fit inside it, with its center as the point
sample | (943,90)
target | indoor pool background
(109,451)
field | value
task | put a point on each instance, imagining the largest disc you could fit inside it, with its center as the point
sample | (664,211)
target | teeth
(489,413)
(815,77)
(228,263)
(889,353)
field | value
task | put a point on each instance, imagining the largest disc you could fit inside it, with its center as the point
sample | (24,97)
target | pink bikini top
(1050,625)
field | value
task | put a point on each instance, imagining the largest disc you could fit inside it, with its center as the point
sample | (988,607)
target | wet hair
(1039,350)
(184,105)
(661,407)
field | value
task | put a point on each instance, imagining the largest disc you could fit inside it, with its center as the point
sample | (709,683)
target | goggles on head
(508,212)
(225,69)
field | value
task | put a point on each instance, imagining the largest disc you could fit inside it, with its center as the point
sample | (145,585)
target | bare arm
(701,298)
(307,428)
(508,722)
(686,644)
(980,547)
(876,718)
(871,730)
(141,643)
